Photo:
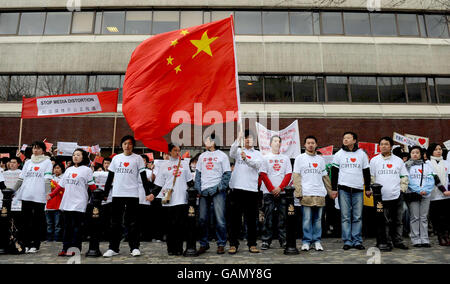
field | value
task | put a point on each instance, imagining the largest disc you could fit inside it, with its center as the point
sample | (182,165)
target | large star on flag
(203,44)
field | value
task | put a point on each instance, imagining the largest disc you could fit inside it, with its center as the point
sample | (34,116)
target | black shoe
(401,246)
(283,245)
(426,245)
(346,247)
(418,245)
(202,250)
(359,247)
(384,247)
(265,246)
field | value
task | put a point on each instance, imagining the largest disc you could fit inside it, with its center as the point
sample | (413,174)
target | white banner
(10,181)
(403,140)
(68,105)
(290,139)
(66,148)
(421,141)
(447,144)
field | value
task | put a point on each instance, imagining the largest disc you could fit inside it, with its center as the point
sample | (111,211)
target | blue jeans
(351,205)
(218,201)
(312,224)
(54,228)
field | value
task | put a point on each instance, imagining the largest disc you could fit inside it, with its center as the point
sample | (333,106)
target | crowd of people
(147,201)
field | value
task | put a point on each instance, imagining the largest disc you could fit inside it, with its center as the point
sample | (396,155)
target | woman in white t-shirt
(75,184)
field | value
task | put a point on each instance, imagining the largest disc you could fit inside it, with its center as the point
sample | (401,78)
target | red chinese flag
(173,71)
(150,157)
(186,155)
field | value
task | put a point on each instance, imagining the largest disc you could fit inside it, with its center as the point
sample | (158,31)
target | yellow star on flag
(170,60)
(173,43)
(177,69)
(184,32)
(203,44)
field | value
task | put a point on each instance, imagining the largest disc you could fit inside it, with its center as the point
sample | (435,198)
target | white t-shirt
(156,171)
(165,178)
(312,169)
(276,166)
(246,173)
(34,176)
(351,165)
(212,165)
(100,181)
(142,200)
(75,182)
(388,173)
(127,171)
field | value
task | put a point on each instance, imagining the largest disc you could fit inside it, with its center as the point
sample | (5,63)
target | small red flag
(98,160)
(150,157)
(186,155)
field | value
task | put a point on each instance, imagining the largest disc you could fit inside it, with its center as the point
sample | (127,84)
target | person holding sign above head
(123,175)
(390,171)
(349,174)
(75,185)
(34,184)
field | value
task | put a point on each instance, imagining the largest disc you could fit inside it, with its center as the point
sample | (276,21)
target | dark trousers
(159,227)
(393,212)
(145,223)
(54,225)
(176,217)
(243,202)
(17,218)
(128,206)
(105,216)
(272,203)
(34,221)
(440,216)
(73,222)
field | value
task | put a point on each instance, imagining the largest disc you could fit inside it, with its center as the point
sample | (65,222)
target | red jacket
(53,204)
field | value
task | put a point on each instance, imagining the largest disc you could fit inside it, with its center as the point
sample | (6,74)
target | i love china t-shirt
(212,165)
(34,176)
(351,165)
(165,178)
(75,182)
(388,173)
(312,169)
(126,171)
(276,166)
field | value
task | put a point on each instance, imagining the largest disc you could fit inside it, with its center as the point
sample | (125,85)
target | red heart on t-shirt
(389,166)
(315,165)
(126,164)
(422,141)
(420,171)
(353,160)
(248,157)
(36,169)
(74,175)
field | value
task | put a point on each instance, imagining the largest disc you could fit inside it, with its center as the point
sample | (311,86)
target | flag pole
(20,132)
(114,132)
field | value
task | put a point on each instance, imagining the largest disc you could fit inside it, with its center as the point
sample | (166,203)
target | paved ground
(156,253)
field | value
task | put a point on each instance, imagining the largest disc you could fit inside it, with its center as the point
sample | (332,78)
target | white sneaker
(110,253)
(305,247)
(27,250)
(32,250)
(318,246)
(136,252)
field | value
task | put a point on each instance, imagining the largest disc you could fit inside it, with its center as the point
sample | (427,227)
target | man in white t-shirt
(212,176)
(390,171)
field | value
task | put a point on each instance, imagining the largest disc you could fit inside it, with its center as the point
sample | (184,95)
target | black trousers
(73,222)
(145,223)
(159,227)
(34,223)
(245,203)
(176,217)
(440,216)
(106,216)
(393,212)
(128,206)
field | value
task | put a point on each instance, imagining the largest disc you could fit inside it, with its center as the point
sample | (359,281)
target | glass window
(301,23)
(275,23)
(443,85)
(49,85)
(4,86)
(331,23)
(417,90)
(278,89)
(423,32)
(305,89)
(82,22)
(107,83)
(206,17)
(165,21)
(9,23)
(190,19)
(251,88)
(92,86)
(32,24)
(364,89)
(138,22)
(98,22)
(357,24)
(122,80)
(58,23)
(321,88)
(75,84)
(436,26)
(113,23)
(392,90)
(21,86)
(220,15)
(407,24)
(383,24)
(432,89)
(316,23)
(248,23)
(337,89)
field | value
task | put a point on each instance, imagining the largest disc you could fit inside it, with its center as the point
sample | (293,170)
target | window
(138,22)
(49,85)
(432,89)
(275,23)
(392,90)
(407,24)
(301,23)
(443,86)
(316,23)
(277,89)
(113,23)
(321,88)
(4,86)
(423,32)
(206,17)
(98,22)
(305,89)
(337,89)
(122,81)
(107,83)
(219,15)
(9,23)
(248,23)
(436,26)
(383,24)
(357,24)
(75,84)
(58,23)
(417,90)
(190,19)
(165,21)
(364,89)
(82,22)
(21,86)
(332,23)
(32,24)
(92,84)
(251,88)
